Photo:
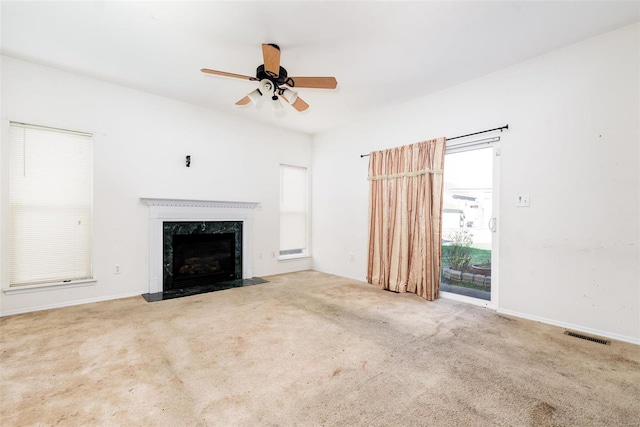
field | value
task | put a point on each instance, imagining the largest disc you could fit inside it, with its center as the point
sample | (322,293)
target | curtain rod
(501,128)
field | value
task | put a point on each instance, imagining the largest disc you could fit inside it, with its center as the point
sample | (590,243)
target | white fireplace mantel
(177,210)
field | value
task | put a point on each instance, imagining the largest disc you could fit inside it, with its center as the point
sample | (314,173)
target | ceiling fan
(274,81)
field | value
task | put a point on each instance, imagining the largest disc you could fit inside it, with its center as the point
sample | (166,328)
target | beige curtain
(405,218)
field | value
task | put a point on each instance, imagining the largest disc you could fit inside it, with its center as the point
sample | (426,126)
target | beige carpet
(307,349)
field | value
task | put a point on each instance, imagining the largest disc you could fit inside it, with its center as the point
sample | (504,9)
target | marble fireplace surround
(183,210)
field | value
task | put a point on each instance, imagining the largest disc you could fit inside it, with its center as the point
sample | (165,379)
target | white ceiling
(381,53)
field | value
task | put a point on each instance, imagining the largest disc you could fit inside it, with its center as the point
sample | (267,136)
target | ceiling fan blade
(315,82)
(299,104)
(271,55)
(225,74)
(244,101)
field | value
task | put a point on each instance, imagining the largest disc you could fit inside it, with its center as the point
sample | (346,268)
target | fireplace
(201,253)
(169,218)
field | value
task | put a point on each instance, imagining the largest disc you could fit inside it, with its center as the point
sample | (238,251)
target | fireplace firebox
(203,259)
(201,253)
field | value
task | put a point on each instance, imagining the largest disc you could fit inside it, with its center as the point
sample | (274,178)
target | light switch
(522,201)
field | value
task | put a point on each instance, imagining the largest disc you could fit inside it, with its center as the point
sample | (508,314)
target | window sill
(293,257)
(14,290)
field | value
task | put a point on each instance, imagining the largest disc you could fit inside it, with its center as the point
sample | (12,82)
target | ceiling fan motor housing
(281,79)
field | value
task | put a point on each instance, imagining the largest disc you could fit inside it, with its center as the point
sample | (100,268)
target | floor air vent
(588,338)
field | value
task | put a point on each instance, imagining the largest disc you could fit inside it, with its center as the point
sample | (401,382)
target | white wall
(571,258)
(140,144)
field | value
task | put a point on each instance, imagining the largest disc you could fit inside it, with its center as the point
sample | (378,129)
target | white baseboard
(69,304)
(578,328)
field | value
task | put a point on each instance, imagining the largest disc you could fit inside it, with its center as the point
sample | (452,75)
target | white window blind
(50,198)
(293,211)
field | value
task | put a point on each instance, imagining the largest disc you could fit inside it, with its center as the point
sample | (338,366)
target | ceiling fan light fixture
(289,95)
(266,86)
(277,106)
(255,96)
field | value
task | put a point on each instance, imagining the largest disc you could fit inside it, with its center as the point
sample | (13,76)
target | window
(50,205)
(294,228)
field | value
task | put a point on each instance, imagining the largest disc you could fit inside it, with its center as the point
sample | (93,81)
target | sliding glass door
(469,225)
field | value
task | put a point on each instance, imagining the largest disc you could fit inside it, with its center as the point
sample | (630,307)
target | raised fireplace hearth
(209,257)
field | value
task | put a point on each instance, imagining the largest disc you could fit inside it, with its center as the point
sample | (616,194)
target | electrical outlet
(260,255)
(522,201)
(352,258)
(116,269)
